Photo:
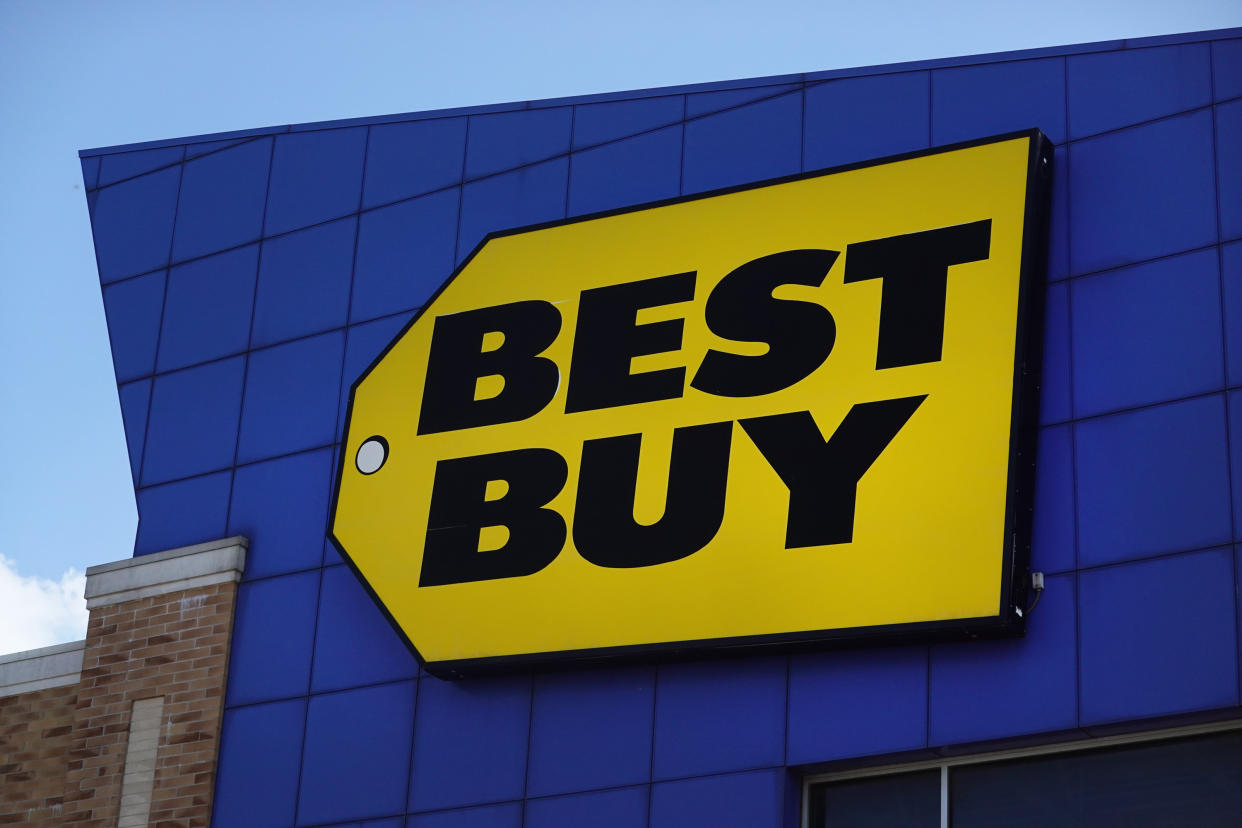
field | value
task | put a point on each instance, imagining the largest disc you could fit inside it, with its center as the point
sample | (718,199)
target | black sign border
(1010,619)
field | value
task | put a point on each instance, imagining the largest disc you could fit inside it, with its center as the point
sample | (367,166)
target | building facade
(249,278)
(122,729)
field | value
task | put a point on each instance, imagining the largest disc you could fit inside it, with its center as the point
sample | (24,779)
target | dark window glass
(1185,782)
(911,800)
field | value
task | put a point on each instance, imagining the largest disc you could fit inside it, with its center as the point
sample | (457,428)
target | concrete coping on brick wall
(40,669)
(188,567)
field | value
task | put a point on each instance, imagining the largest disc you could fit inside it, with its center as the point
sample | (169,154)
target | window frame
(945,764)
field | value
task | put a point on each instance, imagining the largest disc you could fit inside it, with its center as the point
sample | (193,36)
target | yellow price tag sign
(782,414)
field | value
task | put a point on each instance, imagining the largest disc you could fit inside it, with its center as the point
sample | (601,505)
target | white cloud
(39,612)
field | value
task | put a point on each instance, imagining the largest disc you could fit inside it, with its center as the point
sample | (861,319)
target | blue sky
(75,75)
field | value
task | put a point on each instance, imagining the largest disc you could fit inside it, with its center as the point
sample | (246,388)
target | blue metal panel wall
(248,280)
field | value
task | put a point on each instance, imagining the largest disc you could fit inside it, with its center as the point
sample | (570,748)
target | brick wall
(174,646)
(158,635)
(35,738)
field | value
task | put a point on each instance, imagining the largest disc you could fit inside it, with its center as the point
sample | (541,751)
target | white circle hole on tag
(372,454)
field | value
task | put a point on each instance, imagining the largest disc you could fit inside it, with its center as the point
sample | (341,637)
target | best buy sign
(784,413)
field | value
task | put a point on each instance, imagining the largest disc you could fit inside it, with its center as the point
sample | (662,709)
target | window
(1187,776)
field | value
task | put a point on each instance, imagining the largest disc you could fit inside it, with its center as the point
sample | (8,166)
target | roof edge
(683,89)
